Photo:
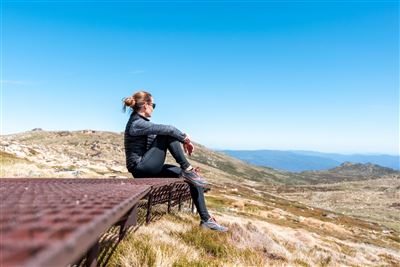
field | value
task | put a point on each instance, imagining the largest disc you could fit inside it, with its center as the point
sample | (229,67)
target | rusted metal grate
(48,222)
(53,222)
(171,191)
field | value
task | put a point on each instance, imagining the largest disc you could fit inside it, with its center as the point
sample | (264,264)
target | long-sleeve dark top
(140,134)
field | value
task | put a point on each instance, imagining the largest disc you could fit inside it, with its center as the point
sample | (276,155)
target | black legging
(152,165)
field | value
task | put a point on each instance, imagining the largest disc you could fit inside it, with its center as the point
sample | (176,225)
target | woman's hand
(187,139)
(189,148)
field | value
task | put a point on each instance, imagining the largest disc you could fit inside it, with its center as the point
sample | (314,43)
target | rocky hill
(349,171)
(367,169)
(269,226)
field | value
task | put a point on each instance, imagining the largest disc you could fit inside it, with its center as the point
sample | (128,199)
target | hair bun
(129,101)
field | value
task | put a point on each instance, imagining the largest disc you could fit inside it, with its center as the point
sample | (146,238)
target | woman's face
(148,108)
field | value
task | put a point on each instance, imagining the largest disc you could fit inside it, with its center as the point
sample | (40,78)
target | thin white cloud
(137,72)
(16,82)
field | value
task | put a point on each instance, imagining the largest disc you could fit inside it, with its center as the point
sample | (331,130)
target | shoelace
(213,219)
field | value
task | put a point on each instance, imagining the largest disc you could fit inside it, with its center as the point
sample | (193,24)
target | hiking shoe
(193,177)
(207,187)
(213,225)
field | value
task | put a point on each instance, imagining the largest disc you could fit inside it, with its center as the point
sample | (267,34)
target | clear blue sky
(286,75)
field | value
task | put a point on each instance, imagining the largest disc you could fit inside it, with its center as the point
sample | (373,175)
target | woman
(146,146)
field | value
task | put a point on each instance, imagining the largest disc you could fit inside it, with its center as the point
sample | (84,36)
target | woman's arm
(143,127)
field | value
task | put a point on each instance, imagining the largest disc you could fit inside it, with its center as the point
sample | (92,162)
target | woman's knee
(166,138)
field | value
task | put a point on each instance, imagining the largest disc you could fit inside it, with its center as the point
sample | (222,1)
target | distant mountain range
(299,160)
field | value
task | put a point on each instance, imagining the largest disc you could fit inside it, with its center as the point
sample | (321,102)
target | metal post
(149,204)
(92,254)
(131,220)
(180,202)
(169,199)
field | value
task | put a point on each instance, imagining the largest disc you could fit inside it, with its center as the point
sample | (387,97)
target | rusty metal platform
(53,222)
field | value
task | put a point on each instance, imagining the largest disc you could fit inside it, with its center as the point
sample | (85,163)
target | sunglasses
(153,105)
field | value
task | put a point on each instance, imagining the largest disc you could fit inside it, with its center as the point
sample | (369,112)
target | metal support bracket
(92,254)
(131,220)
(149,205)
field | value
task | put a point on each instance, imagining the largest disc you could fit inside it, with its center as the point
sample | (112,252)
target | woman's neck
(142,114)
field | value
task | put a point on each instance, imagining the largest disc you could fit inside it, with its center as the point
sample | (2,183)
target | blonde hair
(136,101)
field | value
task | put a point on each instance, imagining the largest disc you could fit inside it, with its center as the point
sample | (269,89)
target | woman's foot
(207,187)
(212,224)
(191,176)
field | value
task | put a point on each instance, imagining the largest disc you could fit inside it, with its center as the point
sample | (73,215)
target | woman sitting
(146,146)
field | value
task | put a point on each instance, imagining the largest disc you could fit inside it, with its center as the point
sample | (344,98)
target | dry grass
(177,240)
(372,200)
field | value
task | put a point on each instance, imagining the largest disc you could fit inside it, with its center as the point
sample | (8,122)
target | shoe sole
(194,183)
(203,185)
(211,229)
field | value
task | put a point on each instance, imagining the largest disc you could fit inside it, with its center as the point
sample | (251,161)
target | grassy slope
(376,200)
(264,230)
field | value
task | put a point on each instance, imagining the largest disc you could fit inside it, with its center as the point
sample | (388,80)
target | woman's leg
(153,160)
(170,171)
(175,148)
(152,165)
(187,173)
(196,192)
